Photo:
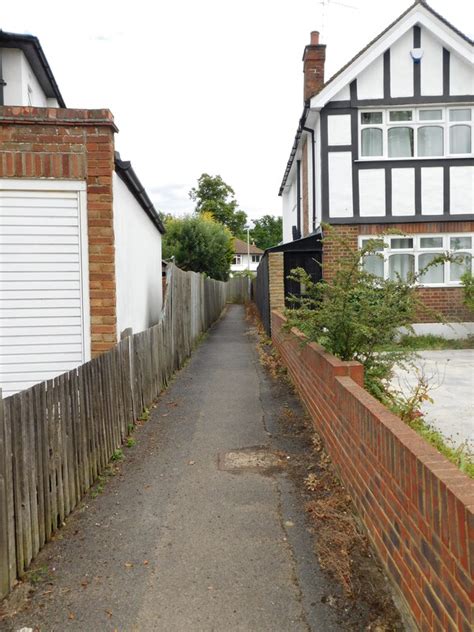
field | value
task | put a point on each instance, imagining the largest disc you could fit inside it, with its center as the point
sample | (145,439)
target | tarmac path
(178,543)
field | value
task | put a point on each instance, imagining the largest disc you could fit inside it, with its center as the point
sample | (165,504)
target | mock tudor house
(388,142)
(246,257)
(80,241)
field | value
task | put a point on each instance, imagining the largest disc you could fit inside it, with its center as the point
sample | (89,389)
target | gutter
(128,176)
(294,149)
(313,169)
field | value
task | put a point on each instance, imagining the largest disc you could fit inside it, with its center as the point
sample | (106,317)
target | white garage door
(44,310)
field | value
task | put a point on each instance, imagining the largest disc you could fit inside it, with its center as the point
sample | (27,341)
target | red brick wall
(448,301)
(417,507)
(72,144)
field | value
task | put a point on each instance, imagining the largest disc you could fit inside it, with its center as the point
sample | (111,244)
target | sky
(198,86)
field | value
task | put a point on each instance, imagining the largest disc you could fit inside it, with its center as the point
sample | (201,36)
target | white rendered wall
(432,188)
(339,129)
(372,192)
(403,191)
(401,66)
(22,86)
(340,184)
(286,209)
(137,262)
(370,81)
(431,65)
(461,76)
(245,264)
(12,74)
(462,189)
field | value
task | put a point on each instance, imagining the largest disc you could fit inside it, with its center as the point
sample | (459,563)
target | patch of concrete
(450,374)
(255,458)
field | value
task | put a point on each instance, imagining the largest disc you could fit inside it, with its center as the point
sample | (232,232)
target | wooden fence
(58,436)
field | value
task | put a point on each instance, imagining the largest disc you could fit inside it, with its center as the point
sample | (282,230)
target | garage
(44,296)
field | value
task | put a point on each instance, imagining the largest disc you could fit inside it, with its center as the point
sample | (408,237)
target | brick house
(388,142)
(80,241)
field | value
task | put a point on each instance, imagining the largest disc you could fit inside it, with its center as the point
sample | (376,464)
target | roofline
(303,118)
(22,41)
(125,172)
(294,149)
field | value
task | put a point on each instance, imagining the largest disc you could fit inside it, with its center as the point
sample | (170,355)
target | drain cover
(257,458)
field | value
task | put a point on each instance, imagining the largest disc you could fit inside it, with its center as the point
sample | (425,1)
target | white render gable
(393,132)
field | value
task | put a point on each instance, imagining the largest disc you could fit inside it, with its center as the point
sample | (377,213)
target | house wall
(72,145)
(358,188)
(416,506)
(244,264)
(22,86)
(447,301)
(137,263)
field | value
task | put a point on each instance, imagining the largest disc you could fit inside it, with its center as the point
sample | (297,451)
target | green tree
(267,232)
(200,244)
(467,280)
(213,195)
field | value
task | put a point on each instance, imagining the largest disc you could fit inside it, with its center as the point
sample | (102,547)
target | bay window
(416,132)
(404,256)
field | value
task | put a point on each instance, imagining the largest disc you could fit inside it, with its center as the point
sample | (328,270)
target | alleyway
(176,542)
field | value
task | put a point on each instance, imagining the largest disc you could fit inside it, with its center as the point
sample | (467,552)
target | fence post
(7,537)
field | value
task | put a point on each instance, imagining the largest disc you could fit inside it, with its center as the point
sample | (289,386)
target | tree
(200,244)
(268,231)
(214,196)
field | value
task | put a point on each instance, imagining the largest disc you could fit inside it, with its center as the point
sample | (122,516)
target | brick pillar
(314,57)
(60,143)
(276,281)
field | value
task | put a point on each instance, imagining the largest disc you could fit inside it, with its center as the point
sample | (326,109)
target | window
(237,260)
(256,258)
(372,142)
(430,140)
(409,134)
(405,256)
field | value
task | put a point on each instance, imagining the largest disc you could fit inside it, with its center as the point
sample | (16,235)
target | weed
(130,442)
(429,342)
(117,455)
(37,575)
(130,428)
(145,416)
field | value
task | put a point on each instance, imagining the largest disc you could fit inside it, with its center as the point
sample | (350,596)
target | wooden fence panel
(57,437)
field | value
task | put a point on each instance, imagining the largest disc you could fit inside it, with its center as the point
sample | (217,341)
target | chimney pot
(314,38)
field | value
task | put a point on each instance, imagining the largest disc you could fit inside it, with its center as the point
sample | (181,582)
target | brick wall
(447,300)
(417,507)
(72,144)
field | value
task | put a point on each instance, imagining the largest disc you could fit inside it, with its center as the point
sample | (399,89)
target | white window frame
(255,259)
(415,124)
(238,260)
(416,250)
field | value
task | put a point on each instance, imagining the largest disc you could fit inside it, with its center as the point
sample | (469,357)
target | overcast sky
(199,86)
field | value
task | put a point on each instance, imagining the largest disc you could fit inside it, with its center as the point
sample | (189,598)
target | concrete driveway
(451,376)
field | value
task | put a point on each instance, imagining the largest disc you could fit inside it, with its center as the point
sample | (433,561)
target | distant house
(246,257)
(388,143)
(80,240)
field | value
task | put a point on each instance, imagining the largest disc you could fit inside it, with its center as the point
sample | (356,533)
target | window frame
(445,123)
(238,260)
(417,250)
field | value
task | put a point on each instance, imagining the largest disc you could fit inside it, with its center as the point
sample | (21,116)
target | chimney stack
(313,66)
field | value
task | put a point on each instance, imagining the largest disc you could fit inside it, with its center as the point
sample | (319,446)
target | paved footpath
(175,542)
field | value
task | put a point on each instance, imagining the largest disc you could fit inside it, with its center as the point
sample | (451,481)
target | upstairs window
(416,133)
(256,258)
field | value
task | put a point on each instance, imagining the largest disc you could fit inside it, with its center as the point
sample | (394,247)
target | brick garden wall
(72,144)
(417,507)
(446,300)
